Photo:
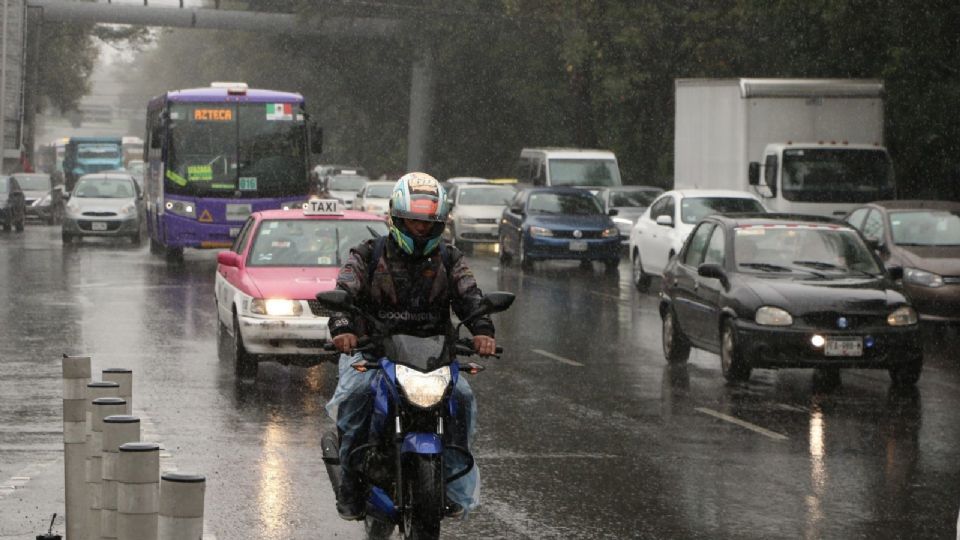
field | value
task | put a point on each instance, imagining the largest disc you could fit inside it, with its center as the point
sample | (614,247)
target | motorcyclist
(413,285)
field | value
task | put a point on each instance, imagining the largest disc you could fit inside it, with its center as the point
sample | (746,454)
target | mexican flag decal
(279,111)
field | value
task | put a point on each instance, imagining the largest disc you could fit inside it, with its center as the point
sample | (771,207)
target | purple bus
(215,155)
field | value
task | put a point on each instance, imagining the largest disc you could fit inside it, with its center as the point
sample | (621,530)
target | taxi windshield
(310,242)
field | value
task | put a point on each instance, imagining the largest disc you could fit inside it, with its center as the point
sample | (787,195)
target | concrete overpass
(39,11)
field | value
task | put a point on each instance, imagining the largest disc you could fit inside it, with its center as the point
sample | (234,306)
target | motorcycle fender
(422,443)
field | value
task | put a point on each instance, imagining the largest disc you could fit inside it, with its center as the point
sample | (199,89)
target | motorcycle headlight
(773,316)
(276,307)
(423,389)
(915,276)
(902,316)
(540,231)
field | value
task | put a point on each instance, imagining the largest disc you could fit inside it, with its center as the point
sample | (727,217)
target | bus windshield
(837,175)
(247,150)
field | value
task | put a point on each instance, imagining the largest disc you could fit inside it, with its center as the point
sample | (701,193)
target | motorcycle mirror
(337,300)
(494,302)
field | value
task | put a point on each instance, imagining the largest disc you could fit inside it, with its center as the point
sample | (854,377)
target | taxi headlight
(423,389)
(915,276)
(612,231)
(276,307)
(902,316)
(773,316)
(540,231)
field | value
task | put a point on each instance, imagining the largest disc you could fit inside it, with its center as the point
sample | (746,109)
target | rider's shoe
(350,504)
(452,509)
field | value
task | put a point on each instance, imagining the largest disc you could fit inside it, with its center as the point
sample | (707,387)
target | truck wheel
(424,490)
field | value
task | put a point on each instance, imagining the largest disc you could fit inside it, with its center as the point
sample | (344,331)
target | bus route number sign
(321,207)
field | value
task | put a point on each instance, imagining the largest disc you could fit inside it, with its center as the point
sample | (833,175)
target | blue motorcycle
(412,431)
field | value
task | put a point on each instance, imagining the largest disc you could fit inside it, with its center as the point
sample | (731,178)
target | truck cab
(833,176)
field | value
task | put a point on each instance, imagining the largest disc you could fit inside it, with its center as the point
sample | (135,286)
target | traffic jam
(762,347)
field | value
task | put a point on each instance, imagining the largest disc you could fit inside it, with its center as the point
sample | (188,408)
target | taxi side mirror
(228,258)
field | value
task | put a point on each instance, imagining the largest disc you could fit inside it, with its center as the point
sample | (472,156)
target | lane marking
(557,358)
(734,420)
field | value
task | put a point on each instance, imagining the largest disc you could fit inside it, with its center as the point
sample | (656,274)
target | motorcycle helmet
(418,196)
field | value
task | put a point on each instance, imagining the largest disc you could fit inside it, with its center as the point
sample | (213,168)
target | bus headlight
(181,208)
(423,389)
(276,307)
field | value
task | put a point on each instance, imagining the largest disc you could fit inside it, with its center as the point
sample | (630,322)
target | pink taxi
(267,282)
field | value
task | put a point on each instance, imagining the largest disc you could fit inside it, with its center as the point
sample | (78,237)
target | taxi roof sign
(322,207)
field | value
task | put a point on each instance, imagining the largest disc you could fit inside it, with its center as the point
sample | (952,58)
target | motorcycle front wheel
(423,497)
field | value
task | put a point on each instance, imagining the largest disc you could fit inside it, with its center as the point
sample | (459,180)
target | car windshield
(306,242)
(806,249)
(347,182)
(925,228)
(104,188)
(633,199)
(563,203)
(34,182)
(379,191)
(693,209)
(491,196)
(584,172)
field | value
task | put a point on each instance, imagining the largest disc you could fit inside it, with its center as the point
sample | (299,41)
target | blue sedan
(558,223)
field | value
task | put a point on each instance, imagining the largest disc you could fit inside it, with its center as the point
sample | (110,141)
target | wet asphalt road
(584,430)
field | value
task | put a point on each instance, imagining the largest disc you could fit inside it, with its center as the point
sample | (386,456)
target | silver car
(475,213)
(104,204)
(375,197)
(630,202)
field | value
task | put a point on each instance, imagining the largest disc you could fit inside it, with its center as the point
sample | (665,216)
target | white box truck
(811,146)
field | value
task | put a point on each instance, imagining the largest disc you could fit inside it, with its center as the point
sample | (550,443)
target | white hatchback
(660,231)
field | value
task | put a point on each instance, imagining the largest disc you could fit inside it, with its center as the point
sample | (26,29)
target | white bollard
(102,408)
(76,376)
(117,430)
(123,377)
(138,491)
(181,506)
(95,390)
